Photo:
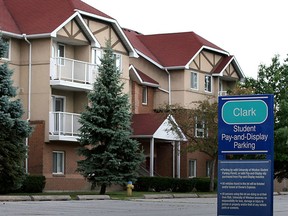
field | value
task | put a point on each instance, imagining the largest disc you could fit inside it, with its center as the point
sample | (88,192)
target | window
(58,162)
(6,54)
(96,56)
(194,80)
(200,130)
(61,54)
(208,83)
(58,107)
(144,95)
(208,167)
(192,168)
(117,61)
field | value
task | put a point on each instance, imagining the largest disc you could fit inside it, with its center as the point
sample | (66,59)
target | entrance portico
(155,131)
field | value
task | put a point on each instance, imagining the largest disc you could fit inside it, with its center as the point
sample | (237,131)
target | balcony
(64,126)
(72,74)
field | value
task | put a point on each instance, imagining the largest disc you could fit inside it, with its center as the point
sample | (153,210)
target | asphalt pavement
(135,207)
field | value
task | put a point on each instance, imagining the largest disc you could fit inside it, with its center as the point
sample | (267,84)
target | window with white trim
(58,162)
(194,80)
(144,95)
(96,56)
(192,168)
(6,54)
(200,128)
(208,83)
(61,54)
(118,61)
(208,167)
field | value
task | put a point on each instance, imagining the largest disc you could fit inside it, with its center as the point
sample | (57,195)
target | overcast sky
(252,30)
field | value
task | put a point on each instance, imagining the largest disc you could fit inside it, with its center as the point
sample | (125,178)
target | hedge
(33,184)
(172,184)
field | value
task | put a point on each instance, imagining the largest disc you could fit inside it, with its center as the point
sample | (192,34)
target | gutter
(169,87)
(29,92)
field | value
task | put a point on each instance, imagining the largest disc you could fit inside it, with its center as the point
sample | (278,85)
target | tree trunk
(212,175)
(103,189)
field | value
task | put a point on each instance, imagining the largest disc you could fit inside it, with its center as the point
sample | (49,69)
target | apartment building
(179,68)
(54,50)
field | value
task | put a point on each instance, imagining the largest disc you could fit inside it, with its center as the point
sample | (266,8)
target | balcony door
(58,108)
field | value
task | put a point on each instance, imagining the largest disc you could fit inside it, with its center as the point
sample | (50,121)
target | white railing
(64,124)
(72,70)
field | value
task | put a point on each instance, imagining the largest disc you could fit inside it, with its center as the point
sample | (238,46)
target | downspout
(169,87)
(29,93)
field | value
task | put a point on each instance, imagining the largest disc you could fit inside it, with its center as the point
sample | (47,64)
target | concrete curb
(15,198)
(158,196)
(51,198)
(207,195)
(93,197)
(185,195)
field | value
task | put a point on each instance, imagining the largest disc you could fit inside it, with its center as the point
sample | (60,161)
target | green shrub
(172,184)
(33,184)
(202,184)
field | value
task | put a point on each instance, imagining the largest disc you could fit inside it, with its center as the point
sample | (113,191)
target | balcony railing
(72,72)
(64,126)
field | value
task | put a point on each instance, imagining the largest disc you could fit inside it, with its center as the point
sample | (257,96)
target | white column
(173,155)
(152,157)
(178,159)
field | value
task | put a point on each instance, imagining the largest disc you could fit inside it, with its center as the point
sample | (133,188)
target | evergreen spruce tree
(110,155)
(13,131)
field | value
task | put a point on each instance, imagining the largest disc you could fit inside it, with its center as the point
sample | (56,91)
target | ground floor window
(58,162)
(192,168)
(208,167)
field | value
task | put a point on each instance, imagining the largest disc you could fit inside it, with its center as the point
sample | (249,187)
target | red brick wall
(137,106)
(71,179)
(35,150)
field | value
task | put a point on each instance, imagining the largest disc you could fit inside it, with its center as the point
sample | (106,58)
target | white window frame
(59,164)
(200,132)
(8,51)
(61,62)
(190,174)
(118,61)
(194,82)
(144,95)
(208,84)
(208,167)
(96,55)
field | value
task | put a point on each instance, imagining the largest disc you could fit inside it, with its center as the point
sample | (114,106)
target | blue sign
(245,124)
(244,188)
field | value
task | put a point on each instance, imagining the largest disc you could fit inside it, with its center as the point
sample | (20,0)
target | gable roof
(39,17)
(218,70)
(172,49)
(177,50)
(155,125)
(141,78)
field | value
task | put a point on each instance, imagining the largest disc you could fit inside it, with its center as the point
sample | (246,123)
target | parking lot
(139,207)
